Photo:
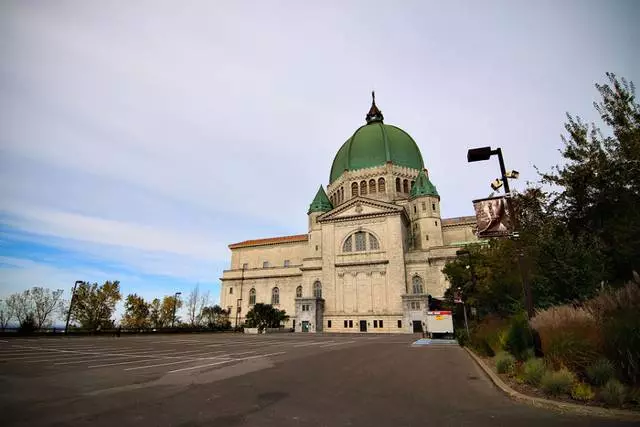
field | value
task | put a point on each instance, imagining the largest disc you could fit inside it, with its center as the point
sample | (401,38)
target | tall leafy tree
(216,317)
(93,304)
(154,313)
(136,315)
(263,316)
(170,305)
(598,186)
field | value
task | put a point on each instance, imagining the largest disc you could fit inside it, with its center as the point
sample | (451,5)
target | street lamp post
(73,297)
(482,154)
(175,303)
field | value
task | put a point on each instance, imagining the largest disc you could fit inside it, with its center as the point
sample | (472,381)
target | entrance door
(417,326)
(305,326)
(363,326)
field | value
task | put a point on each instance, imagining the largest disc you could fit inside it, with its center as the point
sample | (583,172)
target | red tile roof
(270,241)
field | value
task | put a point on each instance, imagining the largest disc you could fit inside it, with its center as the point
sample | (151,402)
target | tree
(44,301)
(195,303)
(136,314)
(263,316)
(20,305)
(216,317)
(93,304)
(598,186)
(6,314)
(170,305)
(154,313)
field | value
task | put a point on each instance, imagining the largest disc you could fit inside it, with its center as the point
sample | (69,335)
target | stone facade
(367,263)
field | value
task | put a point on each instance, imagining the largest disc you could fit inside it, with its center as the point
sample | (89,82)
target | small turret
(424,211)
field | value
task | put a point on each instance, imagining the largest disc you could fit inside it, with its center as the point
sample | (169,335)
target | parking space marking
(136,368)
(226,361)
(136,352)
(310,343)
(335,344)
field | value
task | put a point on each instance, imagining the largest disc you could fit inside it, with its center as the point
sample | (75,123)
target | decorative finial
(374,114)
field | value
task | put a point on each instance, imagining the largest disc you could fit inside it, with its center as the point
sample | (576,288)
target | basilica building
(374,249)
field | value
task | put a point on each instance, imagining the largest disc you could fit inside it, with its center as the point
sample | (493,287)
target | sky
(139,139)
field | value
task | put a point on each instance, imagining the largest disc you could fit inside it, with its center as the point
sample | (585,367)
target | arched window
(363,188)
(412,184)
(341,193)
(405,186)
(275,296)
(354,189)
(299,292)
(398,185)
(417,285)
(317,289)
(331,200)
(381,186)
(252,296)
(373,242)
(372,186)
(348,246)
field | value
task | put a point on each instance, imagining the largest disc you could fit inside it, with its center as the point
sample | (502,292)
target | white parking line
(222,356)
(337,343)
(306,344)
(225,361)
(136,352)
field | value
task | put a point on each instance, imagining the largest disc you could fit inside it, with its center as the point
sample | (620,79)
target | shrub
(462,337)
(569,336)
(533,370)
(600,372)
(618,313)
(613,393)
(27,325)
(492,330)
(582,392)
(519,338)
(557,382)
(529,354)
(505,363)
(481,346)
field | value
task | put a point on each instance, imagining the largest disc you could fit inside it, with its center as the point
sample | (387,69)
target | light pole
(73,297)
(482,154)
(175,303)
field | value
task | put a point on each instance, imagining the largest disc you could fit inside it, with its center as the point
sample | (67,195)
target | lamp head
(478,154)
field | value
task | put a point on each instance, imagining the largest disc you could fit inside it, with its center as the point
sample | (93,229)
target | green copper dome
(321,202)
(375,144)
(423,187)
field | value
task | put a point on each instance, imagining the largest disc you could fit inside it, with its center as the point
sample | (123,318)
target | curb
(552,404)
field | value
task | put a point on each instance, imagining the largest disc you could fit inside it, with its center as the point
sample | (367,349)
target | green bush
(505,363)
(582,392)
(519,338)
(462,337)
(600,372)
(532,371)
(481,346)
(623,343)
(557,382)
(529,354)
(613,393)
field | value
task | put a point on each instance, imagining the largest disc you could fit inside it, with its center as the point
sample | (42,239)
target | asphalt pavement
(250,380)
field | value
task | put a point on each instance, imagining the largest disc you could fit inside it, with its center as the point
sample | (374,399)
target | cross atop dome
(374,114)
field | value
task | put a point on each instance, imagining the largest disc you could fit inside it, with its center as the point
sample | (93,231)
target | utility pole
(73,297)
(175,304)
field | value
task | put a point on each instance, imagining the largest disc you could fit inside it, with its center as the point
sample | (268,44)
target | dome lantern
(374,114)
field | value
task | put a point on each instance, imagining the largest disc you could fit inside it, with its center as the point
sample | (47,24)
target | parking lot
(235,379)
